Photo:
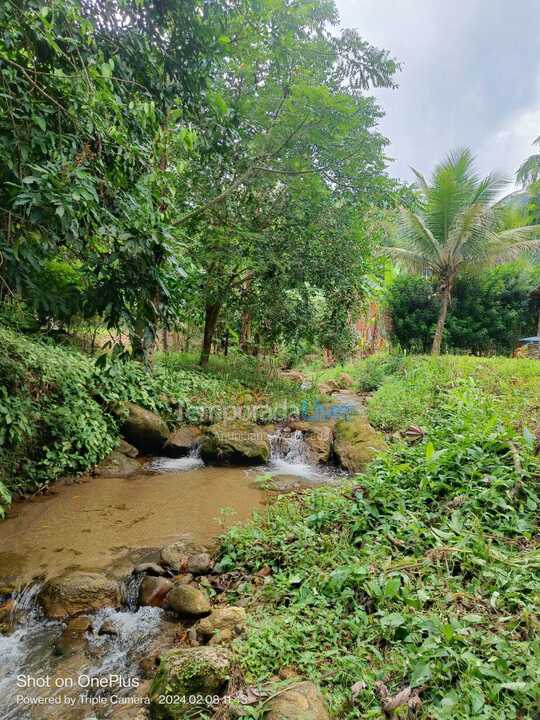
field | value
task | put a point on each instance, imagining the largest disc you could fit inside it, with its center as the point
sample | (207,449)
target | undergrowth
(422,573)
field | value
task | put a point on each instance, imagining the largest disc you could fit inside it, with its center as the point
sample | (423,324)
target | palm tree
(456,227)
(529,171)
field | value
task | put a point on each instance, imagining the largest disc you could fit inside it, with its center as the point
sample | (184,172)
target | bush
(488,313)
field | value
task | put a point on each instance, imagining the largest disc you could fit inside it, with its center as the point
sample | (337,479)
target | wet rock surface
(182,441)
(117,465)
(153,590)
(235,443)
(74,593)
(186,556)
(142,428)
(356,443)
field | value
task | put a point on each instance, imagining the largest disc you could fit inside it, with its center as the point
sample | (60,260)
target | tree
(456,228)
(295,127)
(98,105)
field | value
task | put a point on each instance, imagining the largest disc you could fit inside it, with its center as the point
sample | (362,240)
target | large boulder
(182,441)
(222,624)
(142,428)
(126,449)
(78,592)
(356,443)
(235,442)
(188,600)
(153,590)
(117,465)
(186,556)
(303,701)
(186,672)
(318,436)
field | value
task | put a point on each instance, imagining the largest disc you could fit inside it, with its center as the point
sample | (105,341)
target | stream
(109,525)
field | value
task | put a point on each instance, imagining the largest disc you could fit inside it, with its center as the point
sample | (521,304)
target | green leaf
(420,674)
(393,620)
(392,586)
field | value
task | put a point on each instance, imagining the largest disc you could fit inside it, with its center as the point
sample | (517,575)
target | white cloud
(471,76)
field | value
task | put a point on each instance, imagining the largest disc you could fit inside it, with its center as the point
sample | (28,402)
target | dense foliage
(424,572)
(489,311)
(187,161)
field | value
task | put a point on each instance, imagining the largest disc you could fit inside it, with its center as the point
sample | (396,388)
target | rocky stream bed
(111,603)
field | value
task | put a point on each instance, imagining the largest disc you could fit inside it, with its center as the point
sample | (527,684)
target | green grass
(244,377)
(423,572)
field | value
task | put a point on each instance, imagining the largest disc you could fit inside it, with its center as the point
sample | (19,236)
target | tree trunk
(142,338)
(210,322)
(245,331)
(446,291)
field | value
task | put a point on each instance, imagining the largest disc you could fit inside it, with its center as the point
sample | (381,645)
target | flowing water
(109,524)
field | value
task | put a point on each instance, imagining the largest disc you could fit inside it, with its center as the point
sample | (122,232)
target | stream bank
(109,525)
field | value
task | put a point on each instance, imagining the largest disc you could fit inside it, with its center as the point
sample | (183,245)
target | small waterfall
(128,638)
(130,591)
(289,454)
(189,462)
(115,645)
(29,646)
(288,445)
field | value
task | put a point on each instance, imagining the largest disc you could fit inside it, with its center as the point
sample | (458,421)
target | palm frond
(468,232)
(516,250)
(422,182)
(413,233)
(529,171)
(453,188)
(407,258)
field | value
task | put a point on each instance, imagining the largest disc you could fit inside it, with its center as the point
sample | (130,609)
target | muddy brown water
(110,523)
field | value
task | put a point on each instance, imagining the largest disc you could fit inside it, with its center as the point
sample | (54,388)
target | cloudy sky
(471,76)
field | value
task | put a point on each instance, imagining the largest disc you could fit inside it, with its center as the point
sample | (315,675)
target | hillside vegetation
(423,574)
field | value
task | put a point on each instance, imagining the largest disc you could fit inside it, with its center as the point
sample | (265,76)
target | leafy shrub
(488,313)
(375,369)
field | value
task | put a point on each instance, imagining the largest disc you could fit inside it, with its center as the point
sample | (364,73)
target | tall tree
(456,227)
(290,93)
(98,103)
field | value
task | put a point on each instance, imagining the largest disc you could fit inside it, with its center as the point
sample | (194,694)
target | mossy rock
(186,672)
(235,442)
(356,443)
(142,428)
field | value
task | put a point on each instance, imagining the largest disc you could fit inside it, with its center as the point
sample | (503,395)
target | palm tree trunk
(446,291)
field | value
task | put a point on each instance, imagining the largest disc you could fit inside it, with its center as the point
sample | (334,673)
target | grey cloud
(471,76)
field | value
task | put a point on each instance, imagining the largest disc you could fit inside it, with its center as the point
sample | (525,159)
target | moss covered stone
(235,442)
(356,443)
(184,673)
